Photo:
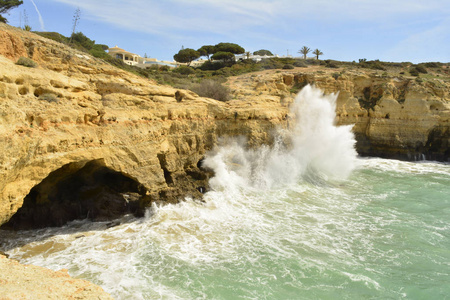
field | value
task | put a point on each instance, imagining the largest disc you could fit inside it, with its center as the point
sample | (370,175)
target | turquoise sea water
(309,222)
(382,234)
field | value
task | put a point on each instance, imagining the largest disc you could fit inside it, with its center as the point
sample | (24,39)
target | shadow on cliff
(91,196)
(79,190)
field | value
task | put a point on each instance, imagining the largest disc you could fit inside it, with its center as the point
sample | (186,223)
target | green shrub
(212,89)
(185,70)
(164,68)
(26,62)
(300,63)
(313,62)
(288,67)
(433,64)
(271,63)
(54,36)
(49,97)
(331,63)
(212,66)
(413,72)
(421,69)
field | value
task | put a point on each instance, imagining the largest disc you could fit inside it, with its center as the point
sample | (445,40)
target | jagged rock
(393,116)
(156,134)
(153,134)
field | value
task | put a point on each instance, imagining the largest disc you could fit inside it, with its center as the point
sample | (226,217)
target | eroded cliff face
(393,116)
(77,128)
(77,119)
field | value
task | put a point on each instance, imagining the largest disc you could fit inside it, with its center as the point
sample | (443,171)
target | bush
(271,63)
(26,62)
(54,36)
(212,66)
(421,69)
(288,67)
(433,64)
(185,70)
(413,72)
(49,97)
(331,64)
(164,68)
(314,62)
(212,89)
(300,63)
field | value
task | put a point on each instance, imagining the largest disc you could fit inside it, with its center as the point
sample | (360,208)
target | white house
(133,59)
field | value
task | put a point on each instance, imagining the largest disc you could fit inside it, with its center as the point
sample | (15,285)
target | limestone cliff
(75,129)
(73,121)
(395,116)
(80,138)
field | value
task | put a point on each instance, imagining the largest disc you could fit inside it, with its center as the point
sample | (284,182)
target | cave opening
(79,190)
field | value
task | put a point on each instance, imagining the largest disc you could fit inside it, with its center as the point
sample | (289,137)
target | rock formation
(74,112)
(32,282)
(75,127)
(394,116)
(82,139)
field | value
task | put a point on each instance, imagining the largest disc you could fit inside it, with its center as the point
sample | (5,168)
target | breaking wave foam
(314,148)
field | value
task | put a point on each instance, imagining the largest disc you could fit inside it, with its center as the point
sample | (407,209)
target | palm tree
(317,52)
(305,50)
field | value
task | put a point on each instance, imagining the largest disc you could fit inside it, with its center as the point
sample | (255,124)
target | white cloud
(217,15)
(271,22)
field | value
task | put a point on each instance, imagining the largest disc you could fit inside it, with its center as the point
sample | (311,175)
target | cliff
(394,116)
(80,138)
(73,121)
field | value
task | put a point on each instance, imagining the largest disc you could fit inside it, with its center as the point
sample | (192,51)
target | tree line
(226,52)
(221,51)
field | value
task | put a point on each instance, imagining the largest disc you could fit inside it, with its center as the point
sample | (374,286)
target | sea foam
(312,148)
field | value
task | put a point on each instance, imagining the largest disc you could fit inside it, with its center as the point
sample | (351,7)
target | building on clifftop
(133,59)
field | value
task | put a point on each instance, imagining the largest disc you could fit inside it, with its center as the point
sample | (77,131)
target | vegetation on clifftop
(221,64)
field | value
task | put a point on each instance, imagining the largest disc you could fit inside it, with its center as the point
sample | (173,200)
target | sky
(347,30)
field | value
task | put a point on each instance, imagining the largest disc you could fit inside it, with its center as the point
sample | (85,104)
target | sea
(305,218)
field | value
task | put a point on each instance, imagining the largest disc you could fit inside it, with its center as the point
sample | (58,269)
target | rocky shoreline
(77,128)
(30,282)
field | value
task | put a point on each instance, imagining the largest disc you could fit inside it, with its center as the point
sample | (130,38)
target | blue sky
(389,30)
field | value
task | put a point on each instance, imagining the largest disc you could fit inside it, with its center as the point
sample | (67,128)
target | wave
(313,148)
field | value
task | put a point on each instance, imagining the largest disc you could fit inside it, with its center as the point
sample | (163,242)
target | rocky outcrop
(82,139)
(393,116)
(74,112)
(74,124)
(32,282)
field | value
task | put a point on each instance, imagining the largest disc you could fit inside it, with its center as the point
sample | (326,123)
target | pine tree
(6,5)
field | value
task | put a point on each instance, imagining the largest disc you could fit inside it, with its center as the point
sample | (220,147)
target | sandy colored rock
(30,282)
(85,110)
(393,116)
(74,110)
